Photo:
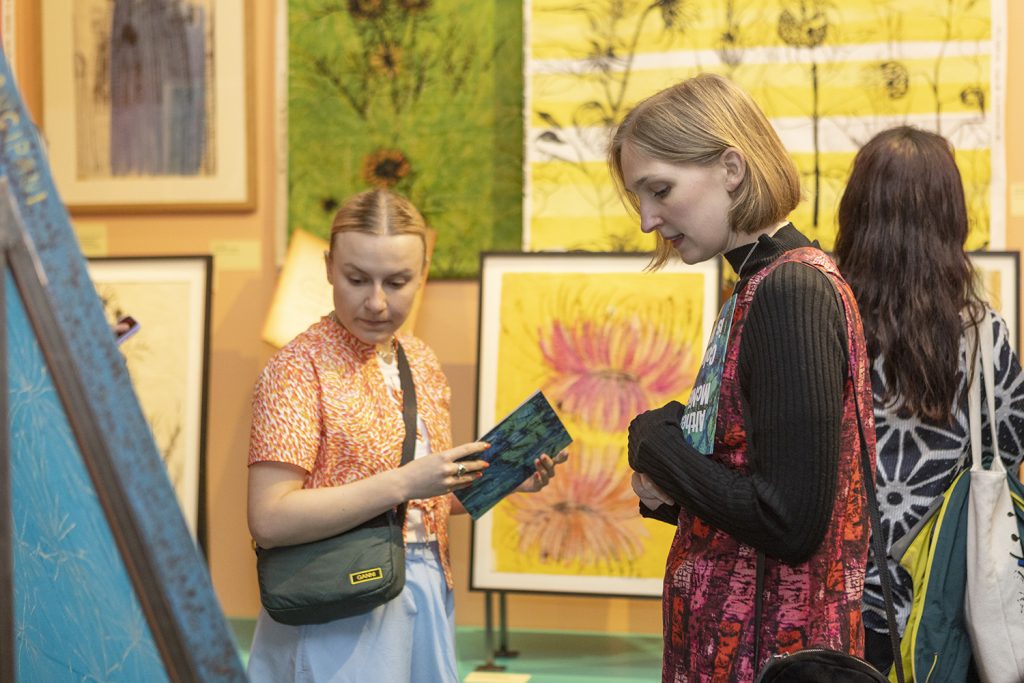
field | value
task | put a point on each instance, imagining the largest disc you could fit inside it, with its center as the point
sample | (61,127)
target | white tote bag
(995,582)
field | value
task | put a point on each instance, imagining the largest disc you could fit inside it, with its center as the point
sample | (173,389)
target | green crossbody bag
(347,574)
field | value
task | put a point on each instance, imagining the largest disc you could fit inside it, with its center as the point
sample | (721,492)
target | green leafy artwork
(421,96)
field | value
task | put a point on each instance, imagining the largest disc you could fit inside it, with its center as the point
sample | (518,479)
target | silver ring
(460,471)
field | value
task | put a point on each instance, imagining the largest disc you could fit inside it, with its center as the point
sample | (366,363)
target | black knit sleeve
(792,371)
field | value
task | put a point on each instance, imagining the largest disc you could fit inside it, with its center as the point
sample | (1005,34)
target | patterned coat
(710,576)
(918,460)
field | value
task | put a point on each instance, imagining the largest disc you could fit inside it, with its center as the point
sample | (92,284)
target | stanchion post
(489,665)
(503,650)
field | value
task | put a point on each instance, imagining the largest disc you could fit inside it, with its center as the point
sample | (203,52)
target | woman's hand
(282,512)
(439,473)
(643,424)
(545,466)
(649,493)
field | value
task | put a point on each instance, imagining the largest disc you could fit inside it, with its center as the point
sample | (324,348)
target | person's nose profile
(649,222)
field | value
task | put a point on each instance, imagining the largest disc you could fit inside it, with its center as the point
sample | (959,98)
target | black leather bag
(347,574)
(340,576)
(816,666)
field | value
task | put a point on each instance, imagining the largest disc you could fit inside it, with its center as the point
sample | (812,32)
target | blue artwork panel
(76,615)
(87,608)
(515,443)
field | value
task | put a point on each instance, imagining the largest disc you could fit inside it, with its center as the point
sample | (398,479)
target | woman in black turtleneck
(766,456)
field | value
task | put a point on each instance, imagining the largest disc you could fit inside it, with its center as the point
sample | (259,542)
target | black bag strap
(408,415)
(878,551)
(877,546)
(409,443)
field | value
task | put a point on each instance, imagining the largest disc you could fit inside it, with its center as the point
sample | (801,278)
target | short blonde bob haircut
(694,122)
(379,212)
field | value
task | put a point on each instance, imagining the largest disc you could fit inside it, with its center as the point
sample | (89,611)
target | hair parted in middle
(379,212)
(694,122)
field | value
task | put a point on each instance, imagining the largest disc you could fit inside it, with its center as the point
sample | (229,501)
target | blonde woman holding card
(325,446)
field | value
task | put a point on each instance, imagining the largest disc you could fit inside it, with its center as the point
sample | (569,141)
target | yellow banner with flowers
(829,75)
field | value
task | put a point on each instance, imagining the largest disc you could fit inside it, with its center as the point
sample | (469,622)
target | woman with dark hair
(902,227)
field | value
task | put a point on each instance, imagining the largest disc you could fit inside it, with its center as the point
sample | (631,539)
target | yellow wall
(448,321)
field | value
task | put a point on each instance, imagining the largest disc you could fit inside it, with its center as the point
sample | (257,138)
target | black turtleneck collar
(769,248)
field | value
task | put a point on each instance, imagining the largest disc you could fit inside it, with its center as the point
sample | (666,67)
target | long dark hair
(902,228)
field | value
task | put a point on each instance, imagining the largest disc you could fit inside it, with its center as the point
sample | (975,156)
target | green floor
(547,656)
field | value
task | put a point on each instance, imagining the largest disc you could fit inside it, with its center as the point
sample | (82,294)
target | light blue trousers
(409,639)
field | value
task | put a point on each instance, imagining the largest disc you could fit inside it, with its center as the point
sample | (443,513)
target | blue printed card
(516,442)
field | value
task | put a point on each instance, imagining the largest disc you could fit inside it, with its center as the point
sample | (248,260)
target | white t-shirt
(415,531)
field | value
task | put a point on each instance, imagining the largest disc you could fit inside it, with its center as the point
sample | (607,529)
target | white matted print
(147,105)
(167,359)
(999,275)
(605,341)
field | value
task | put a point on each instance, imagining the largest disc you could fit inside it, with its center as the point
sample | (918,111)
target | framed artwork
(147,106)
(167,359)
(101,578)
(604,340)
(999,275)
(420,96)
(828,76)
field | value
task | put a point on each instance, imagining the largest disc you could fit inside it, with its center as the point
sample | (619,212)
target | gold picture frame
(149,110)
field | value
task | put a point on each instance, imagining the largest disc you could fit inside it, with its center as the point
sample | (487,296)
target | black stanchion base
(490,666)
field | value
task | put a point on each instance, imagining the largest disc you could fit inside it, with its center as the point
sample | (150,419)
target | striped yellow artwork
(828,75)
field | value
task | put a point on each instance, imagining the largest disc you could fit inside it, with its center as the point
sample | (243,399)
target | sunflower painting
(420,96)
(604,341)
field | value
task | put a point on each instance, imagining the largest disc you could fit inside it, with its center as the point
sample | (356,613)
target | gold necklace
(386,356)
(389,355)
(746,258)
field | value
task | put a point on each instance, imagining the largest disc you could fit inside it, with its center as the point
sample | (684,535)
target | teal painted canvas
(76,617)
(100,578)
(420,96)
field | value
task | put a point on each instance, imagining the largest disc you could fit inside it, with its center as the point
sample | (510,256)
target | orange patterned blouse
(321,404)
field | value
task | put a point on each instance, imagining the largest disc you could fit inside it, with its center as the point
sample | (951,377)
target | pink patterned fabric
(710,577)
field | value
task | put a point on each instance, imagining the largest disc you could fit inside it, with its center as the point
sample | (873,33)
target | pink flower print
(605,372)
(586,515)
